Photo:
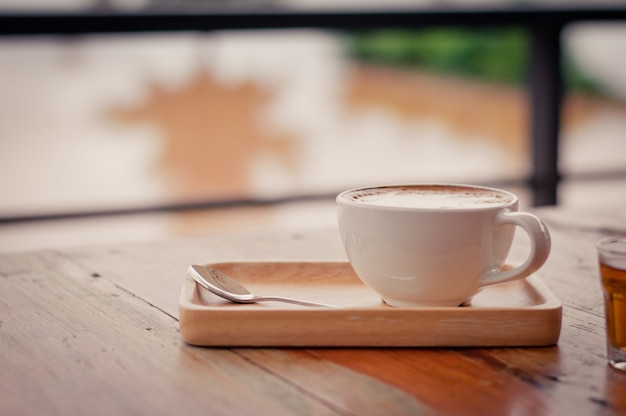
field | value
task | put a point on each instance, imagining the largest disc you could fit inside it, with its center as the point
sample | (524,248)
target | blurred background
(121,122)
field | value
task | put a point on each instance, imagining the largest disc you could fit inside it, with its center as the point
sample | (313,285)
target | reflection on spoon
(226,287)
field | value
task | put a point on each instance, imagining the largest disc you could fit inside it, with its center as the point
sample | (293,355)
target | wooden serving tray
(519,313)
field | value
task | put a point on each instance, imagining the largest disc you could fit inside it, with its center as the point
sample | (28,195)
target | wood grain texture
(519,313)
(155,271)
(74,343)
(94,330)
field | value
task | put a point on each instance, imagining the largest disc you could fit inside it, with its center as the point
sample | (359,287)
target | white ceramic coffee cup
(435,244)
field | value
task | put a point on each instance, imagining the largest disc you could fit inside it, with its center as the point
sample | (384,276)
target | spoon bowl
(226,287)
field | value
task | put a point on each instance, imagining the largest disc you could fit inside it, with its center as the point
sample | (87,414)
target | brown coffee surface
(431,197)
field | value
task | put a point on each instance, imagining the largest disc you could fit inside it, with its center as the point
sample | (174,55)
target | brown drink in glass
(612,258)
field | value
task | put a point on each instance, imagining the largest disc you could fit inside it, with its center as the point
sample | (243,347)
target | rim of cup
(509,199)
(615,244)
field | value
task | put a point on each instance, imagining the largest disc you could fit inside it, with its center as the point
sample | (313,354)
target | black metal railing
(544,25)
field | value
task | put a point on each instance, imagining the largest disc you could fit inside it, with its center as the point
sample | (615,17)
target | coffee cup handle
(540,244)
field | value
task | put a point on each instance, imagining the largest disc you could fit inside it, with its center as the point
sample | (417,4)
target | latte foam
(430,197)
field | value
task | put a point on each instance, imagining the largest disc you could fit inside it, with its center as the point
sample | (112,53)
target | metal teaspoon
(226,287)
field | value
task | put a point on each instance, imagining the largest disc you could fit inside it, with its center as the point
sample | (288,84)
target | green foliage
(496,55)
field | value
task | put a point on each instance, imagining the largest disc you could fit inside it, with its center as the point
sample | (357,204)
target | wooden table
(94,330)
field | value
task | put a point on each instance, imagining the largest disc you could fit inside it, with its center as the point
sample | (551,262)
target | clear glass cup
(612,260)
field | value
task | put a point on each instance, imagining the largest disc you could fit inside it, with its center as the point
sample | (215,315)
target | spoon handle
(291,300)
